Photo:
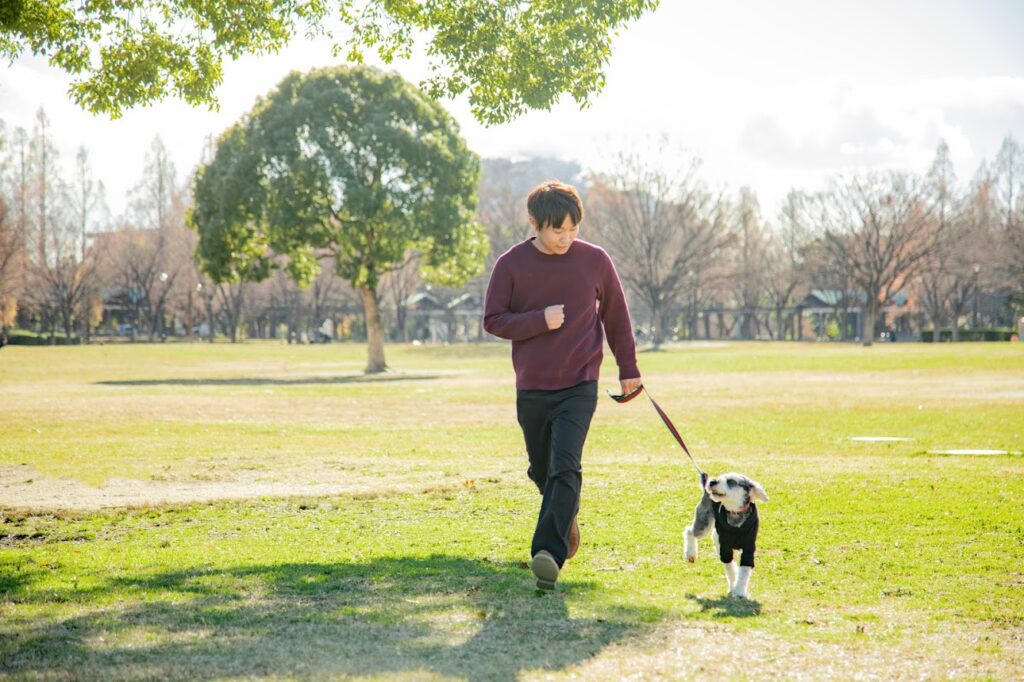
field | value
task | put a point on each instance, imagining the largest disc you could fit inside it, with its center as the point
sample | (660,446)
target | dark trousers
(555,425)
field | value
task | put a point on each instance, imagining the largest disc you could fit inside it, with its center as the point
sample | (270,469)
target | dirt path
(22,487)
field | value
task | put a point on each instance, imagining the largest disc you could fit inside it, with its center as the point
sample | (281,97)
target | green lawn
(379,524)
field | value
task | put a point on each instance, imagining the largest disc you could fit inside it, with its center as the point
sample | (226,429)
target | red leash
(626,397)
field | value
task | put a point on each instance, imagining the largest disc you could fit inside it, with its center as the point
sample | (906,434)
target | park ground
(266,511)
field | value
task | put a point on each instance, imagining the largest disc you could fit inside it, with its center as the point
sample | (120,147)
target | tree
(153,202)
(60,274)
(750,262)
(10,248)
(346,162)
(87,206)
(12,243)
(788,248)
(949,277)
(880,229)
(509,56)
(664,229)
(1009,172)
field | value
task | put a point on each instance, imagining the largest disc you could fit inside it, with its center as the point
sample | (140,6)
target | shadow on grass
(728,606)
(242,381)
(412,617)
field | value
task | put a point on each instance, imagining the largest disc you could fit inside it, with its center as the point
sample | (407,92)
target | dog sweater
(525,281)
(732,538)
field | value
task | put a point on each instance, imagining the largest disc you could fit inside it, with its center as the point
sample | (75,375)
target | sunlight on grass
(871,554)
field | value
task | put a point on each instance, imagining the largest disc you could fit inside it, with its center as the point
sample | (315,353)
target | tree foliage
(348,163)
(509,56)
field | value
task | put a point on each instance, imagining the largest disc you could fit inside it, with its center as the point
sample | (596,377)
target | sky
(771,95)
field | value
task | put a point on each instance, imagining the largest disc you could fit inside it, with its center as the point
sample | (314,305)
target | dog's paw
(690,546)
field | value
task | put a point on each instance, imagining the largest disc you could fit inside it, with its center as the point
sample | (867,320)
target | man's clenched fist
(554,315)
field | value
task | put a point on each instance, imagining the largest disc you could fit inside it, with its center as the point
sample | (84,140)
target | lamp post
(160,307)
(188,314)
(977,269)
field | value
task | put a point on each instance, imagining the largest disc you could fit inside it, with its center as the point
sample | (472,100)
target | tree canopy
(509,56)
(346,163)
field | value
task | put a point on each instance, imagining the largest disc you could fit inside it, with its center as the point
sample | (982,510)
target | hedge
(968,335)
(21,337)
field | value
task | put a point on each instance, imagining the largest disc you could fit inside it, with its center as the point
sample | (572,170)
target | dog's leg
(730,575)
(690,544)
(703,521)
(742,584)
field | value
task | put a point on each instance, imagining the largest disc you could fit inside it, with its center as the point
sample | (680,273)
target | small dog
(728,511)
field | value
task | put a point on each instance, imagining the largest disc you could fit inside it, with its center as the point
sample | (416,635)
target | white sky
(773,95)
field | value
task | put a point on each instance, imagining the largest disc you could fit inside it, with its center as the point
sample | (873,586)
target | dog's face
(734,491)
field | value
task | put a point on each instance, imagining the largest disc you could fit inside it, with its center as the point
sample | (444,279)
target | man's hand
(630,385)
(554,315)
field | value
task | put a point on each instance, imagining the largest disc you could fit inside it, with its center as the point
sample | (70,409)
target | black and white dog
(728,511)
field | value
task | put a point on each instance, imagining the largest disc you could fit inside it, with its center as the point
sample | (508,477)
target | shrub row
(968,334)
(21,337)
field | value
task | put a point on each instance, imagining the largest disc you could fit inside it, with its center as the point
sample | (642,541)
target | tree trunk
(374,331)
(868,332)
(209,316)
(655,324)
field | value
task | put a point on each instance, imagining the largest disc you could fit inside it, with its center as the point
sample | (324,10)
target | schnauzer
(728,511)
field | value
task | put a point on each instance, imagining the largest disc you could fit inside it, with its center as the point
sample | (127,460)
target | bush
(22,337)
(997,334)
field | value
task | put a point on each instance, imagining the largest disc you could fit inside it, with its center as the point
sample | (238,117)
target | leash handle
(626,397)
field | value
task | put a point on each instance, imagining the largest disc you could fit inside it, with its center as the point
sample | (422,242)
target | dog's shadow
(728,606)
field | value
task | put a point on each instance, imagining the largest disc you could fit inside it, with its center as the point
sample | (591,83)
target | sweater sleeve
(615,317)
(499,318)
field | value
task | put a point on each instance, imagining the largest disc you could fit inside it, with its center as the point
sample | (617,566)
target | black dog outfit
(732,537)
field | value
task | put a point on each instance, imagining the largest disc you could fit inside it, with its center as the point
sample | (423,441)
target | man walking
(557,297)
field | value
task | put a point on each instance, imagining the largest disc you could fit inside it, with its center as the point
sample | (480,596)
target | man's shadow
(396,615)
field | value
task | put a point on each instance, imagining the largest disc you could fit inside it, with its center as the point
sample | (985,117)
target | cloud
(870,126)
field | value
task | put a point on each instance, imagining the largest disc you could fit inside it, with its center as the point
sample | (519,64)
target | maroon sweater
(525,282)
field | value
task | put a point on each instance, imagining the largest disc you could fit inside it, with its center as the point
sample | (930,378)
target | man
(556,297)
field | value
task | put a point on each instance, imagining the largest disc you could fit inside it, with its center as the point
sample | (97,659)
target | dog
(728,511)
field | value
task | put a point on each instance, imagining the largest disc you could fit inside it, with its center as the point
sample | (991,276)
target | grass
(875,559)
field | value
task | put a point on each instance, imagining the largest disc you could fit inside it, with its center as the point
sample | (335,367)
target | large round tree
(349,164)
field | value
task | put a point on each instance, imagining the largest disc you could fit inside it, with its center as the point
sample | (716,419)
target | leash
(626,397)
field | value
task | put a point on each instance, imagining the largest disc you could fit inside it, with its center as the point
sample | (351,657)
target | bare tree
(950,281)
(788,246)
(10,250)
(881,229)
(663,229)
(88,207)
(1009,170)
(749,262)
(153,249)
(18,180)
(60,274)
(1009,174)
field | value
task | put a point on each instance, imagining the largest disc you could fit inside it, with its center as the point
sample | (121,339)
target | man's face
(556,240)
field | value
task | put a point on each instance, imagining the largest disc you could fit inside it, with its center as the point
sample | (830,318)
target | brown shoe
(574,539)
(546,569)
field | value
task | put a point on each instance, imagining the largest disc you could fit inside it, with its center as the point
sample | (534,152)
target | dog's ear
(757,493)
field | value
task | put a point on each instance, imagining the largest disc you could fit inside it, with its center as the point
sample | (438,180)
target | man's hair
(551,201)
